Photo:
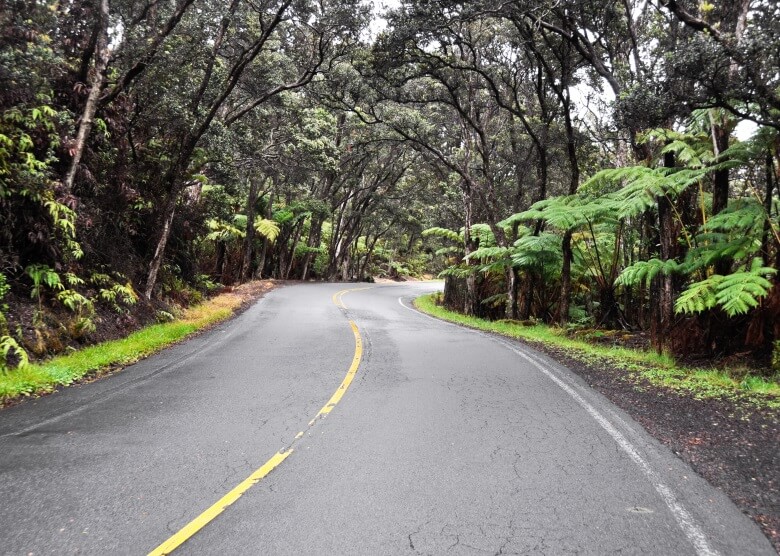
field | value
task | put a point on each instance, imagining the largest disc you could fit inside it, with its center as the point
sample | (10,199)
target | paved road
(447,441)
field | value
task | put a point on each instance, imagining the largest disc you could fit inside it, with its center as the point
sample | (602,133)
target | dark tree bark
(249,238)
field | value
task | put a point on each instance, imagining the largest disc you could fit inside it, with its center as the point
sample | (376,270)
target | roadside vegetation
(93,361)
(635,365)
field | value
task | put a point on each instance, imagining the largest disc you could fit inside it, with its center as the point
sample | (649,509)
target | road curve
(446,441)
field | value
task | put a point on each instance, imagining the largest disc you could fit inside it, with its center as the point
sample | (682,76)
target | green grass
(39,378)
(657,369)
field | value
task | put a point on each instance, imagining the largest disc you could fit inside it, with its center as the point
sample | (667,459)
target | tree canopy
(593,163)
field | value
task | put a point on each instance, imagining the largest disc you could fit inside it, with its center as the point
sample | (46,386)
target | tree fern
(567,212)
(739,292)
(220,230)
(538,252)
(483,234)
(444,233)
(644,271)
(451,250)
(734,234)
(489,253)
(458,271)
(267,228)
(742,216)
(735,293)
(699,296)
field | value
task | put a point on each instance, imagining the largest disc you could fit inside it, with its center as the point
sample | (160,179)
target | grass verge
(40,378)
(657,369)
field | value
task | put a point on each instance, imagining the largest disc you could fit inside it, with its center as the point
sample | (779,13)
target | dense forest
(600,163)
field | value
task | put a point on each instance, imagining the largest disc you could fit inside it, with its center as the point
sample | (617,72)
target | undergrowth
(657,369)
(40,378)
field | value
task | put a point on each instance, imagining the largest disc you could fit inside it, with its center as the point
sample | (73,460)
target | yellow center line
(189,530)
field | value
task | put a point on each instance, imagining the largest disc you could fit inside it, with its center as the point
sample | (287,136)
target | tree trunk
(154,267)
(471,280)
(527,297)
(315,233)
(767,238)
(720,184)
(574,182)
(568,255)
(220,265)
(296,236)
(263,258)
(668,238)
(249,238)
(96,82)
(511,283)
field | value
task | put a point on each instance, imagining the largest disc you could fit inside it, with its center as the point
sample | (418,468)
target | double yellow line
(186,532)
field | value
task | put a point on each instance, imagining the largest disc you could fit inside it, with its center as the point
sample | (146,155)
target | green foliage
(642,272)
(268,229)
(691,149)
(444,233)
(735,293)
(118,293)
(10,350)
(569,212)
(223,231)
(76,302)
(42,275)
(538,252)
(733,234)
(489,254)
(164,316)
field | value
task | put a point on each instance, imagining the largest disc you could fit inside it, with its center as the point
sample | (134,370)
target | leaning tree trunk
(313,241)
(96,81)
(154,268)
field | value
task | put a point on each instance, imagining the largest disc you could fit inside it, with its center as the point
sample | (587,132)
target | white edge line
(684,519)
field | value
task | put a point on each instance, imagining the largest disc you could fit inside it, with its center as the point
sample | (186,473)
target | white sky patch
(745,130)
(378,21)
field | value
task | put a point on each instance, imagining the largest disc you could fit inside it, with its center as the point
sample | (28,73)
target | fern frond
(267,228)
(742,216)
(542,251)
(735,293)
(644,271)
(483,234)
(494,300)
(222,231)
(444,233)
(741,291)
(458,271)
(511,220)
(568,212)
(449,250)
(489,253)
(699,296)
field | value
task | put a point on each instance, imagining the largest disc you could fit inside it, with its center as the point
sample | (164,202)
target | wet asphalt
(448,441)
